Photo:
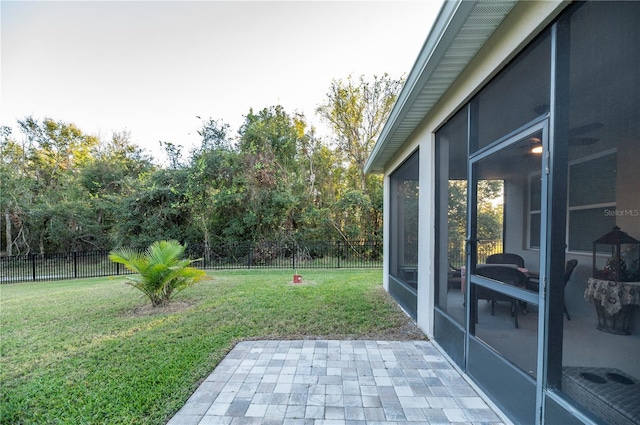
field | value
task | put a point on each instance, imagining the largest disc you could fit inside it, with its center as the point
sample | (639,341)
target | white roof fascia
(413,98)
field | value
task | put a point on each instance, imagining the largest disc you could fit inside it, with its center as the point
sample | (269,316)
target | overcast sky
(151,67)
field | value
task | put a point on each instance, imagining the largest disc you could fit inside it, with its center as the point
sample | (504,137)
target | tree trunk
(7,217)
(207,239)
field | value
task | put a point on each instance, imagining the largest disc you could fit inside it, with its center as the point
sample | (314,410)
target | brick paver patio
(319,382)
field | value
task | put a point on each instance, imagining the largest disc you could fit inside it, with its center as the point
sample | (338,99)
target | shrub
(161,270)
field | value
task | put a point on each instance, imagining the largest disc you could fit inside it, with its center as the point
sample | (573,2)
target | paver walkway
(319,382)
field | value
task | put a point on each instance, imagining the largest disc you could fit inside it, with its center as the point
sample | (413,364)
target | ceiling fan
(576,134)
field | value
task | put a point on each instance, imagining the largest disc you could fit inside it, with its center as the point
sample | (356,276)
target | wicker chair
(505,258)
(533,283)
(509,258)
(508,275)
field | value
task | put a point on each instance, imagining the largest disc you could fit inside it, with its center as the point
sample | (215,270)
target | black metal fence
(457,256)
(242,255)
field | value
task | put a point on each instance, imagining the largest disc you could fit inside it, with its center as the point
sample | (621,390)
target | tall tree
(114,165)
(356,112)
(51,153)
(268,143)
(114,173)
(55,148)
(210,173)
(13,188)
(321,184)
(157,209)
(61,188)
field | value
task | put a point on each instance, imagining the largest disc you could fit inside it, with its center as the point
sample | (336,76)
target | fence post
(339,253)
(293,258)
(33,266)
(75,264)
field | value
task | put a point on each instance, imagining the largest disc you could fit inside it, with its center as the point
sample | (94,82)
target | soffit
(461,29)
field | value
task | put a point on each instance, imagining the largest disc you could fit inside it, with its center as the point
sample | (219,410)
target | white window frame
(531,212)
(585,206)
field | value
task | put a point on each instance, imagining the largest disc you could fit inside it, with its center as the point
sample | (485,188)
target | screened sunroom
(512,203)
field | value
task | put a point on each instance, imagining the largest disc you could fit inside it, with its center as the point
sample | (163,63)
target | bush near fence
(241,255)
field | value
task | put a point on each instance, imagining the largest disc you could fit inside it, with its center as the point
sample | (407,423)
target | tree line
(275,180)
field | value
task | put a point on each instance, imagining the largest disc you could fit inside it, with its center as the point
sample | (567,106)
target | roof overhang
(460,30)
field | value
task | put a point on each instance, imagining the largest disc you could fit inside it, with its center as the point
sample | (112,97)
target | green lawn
(91,352)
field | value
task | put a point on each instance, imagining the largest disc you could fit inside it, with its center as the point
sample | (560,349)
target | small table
(614,303)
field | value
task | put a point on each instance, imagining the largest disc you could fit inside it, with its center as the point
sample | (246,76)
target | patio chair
(509,258)
(508,275)
(505,258)
(454,278)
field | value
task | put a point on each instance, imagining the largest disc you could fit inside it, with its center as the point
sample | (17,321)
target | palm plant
(161,270)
